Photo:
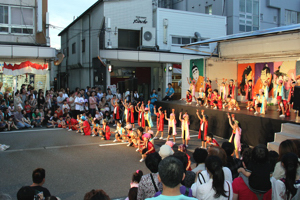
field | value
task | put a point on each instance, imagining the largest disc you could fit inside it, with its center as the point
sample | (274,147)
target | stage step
(273,146)
(290,129)
(288,132)
(281,136)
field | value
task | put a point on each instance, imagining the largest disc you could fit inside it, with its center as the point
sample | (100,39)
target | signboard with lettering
(140,20)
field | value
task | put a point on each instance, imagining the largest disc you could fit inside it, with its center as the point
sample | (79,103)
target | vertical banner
(246,72)
(196,72)
(297,68)
(263,72)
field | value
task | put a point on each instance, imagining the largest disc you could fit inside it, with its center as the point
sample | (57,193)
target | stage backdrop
(261,72)
(196,72)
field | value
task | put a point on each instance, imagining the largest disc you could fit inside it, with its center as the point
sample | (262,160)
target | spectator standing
(93,103)
(32,102)
(79,104)
(41,100)
(24,96)
(60,99)
(72,103)
(17,100)
(136,96)
(159,96)
(127,95)
(118,95)
(169,93)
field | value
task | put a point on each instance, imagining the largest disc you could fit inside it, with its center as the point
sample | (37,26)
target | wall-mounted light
(110,68)
(170,68)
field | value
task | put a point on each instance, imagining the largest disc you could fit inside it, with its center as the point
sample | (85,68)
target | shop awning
(26,67)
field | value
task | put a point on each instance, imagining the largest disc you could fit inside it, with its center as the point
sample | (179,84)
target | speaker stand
(297,117)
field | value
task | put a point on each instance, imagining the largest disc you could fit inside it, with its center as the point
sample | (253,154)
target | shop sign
(140,20)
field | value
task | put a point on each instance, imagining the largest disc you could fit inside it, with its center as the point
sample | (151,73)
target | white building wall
(185,24)
(123,13)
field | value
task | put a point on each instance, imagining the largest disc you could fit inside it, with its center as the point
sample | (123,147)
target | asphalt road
(74,164)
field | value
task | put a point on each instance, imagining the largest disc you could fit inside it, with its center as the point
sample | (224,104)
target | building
(24,44)
(139,42)
(243,15)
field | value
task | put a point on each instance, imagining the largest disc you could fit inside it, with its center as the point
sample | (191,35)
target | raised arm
(166,115)
(180,116)
(198,114)
(154,109)
(230,122)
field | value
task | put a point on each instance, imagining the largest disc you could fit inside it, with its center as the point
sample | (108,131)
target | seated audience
(96,195)
(199,156)
(232,163)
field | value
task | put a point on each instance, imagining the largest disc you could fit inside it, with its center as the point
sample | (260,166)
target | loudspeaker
(121,86)
(296,98)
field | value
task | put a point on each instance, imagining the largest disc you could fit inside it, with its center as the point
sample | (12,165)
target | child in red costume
(283,107)
(249,88)
(86,128)
(182,148)
(116,113)
(71,123)
(132,115)
(214,99)
(209,98)
(203,127)
(105,131)
(159,122)
(189,97)
(211,141)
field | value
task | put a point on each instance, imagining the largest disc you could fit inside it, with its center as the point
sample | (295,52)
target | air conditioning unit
(148,37)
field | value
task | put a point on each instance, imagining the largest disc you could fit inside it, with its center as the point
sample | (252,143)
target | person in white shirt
(127,95)
(65,95)
(213,185)
(136,96)
(79,104)
(118,95)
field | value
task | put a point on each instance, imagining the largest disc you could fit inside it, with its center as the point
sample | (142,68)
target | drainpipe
(90,51)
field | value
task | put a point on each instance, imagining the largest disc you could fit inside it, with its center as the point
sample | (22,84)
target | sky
(61,15)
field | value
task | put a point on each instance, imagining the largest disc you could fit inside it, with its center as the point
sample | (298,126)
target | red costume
(205,128)
(206,87)
(107,132)
(87,130)
(286,108)
(247,89)
(189,98)
(132,116)
(139,118)
(128,115)
(220,104)
(160,121)
(117,114)
(143,120)
(231,90)
(72,124)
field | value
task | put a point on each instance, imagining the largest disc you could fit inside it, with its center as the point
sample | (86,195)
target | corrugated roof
(85,12)
(253,34)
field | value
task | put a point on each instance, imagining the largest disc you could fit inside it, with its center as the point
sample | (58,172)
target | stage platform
(256,129)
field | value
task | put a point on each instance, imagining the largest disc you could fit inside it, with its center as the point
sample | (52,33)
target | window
(3,14)
(249,15)
(187,40)
(74,48)
(83,45)
(292,17)
(16,20)
(208,9)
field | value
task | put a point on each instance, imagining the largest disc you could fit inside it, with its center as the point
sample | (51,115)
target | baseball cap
(165,151)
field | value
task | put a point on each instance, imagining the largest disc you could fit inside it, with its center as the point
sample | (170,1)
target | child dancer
(231,88)
(105,131)
(171,126)
(120,132)
(291,95)
(132,115)
(182,148)
(232,104)
(126,111)
(209,98)
(207,86)
(222,89)
(211,141)
(214,99)
(203,127)
(72,123)
(138,110)
(85,128)
(249,94)
(95,130)
(283,107)
(148,147)
(185,128)
(260,103)
(159,122)
(280,90)
(148,120)
(189,97)
(235,137)
(116,113)
(140,138)
(192,87)
(201,97)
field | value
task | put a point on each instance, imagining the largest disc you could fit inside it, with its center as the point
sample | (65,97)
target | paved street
(74,164)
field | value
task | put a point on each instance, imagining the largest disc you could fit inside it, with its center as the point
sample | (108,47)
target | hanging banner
(196,72)
(25,67)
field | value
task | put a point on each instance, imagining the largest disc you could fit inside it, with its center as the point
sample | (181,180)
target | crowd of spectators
(259,174)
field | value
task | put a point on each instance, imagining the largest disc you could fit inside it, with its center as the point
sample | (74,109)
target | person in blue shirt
(169,93)
(170,174)
(153,97)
